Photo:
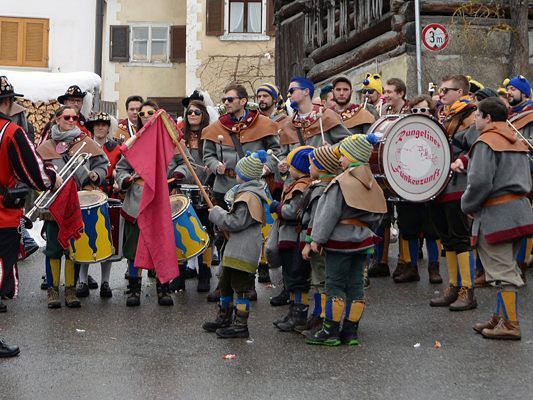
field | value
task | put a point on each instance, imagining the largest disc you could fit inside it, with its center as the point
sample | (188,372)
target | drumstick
(366,101)
(321,127)
(271,153)
(220,140)
(519,134)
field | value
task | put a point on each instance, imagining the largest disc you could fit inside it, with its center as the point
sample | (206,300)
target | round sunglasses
(146,113)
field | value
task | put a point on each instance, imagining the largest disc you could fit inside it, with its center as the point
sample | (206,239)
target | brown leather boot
(433,272)
(449,295)
(400,268)
(479,279)
(504,330)
(409,274)
(491,324)
(465,300)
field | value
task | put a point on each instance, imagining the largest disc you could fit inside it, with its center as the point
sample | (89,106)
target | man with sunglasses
(73,97)
(128,126)
(451,223)
(18,163)
(354,116)
(372,91)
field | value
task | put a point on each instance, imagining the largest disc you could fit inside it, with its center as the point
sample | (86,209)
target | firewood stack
(39,114)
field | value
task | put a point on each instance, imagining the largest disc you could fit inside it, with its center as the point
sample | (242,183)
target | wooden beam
(365,52)
(290,9)
(443,7)
(354,39)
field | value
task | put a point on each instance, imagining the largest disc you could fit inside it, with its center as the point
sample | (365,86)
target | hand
(274,207)
(283,167)
(116,189)
(93,176)
(126,183)
(221,168)
(315,247)
(306,252)
(59,182)
(178,176)
(458,166)
(266,170)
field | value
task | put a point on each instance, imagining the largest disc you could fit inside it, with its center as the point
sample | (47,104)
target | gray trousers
(499,261)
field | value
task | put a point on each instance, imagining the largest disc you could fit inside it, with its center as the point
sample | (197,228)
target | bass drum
(412,158)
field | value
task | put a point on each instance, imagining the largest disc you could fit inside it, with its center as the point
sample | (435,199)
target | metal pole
(418,48)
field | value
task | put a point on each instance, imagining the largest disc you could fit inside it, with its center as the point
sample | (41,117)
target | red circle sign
(435,37)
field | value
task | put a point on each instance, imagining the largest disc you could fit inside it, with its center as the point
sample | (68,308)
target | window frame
(22,44)
(149,61)
(243,36)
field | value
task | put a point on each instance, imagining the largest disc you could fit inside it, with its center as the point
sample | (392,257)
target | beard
(264,106)
(341,102)
(513,101)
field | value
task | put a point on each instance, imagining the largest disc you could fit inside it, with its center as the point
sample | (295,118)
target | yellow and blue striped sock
(53,271)
(354,310)
(510,305)
(334,309)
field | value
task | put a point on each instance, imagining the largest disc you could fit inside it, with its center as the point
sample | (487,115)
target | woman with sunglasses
(423,105)
(65,138)
(133,184)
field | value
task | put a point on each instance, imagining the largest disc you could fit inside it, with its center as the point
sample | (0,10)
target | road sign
(435,37)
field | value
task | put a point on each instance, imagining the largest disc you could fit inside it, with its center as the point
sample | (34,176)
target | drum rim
(104,200)
(188,203)
(203,249)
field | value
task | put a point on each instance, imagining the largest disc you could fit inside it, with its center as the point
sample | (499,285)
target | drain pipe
(98,37)
(418,48)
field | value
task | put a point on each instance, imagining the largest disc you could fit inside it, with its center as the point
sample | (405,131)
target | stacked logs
(39,113)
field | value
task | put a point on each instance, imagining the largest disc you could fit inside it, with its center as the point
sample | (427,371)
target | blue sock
(133,271)
(226,301)
(379,247)
(433,250)
(479,264)
(243,304)
(521,256)
(317,310)
(413,251)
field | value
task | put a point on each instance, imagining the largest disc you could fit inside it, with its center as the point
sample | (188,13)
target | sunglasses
(70,117)
(146,113)
(230,99)
(444,90)
(421,110)
(293,89)
(367,91)
(195,112)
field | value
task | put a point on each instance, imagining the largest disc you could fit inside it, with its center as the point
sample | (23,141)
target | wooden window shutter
(11,42)
(119,44)
(178,42)
(215,17)
(270,27)
(36,40)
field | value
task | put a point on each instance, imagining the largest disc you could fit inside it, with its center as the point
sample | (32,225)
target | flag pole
(174,135)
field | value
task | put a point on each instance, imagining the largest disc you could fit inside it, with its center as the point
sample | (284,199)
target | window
(149,44)
(24,42)
(245,16)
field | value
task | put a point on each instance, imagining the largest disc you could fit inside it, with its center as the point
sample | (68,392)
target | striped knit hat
(356,148)
(299,158)
(270,88)
(251,166)
(325,158)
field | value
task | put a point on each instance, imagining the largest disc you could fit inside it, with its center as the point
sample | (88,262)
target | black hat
(341,78)
(194,96)
(72,91)
(98,117)
(6,88)
(485,93)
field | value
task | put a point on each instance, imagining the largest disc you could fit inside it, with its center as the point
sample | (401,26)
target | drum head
(91,198)
(178,204)
(416,158)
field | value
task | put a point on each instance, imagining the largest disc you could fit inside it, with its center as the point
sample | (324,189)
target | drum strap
(455,123)
(300,136)
(237,144)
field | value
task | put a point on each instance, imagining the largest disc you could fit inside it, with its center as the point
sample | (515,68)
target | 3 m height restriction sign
(435,37)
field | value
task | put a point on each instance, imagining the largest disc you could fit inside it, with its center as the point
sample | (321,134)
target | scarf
(65,136)
(519,108)
(458,106)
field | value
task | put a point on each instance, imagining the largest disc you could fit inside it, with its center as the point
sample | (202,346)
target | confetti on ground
(113,338)
(437,345)
(229,357)
(416,345)
(250,341)
(80,330)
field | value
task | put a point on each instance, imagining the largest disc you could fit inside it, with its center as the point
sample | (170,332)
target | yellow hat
(373,81)
(474,85)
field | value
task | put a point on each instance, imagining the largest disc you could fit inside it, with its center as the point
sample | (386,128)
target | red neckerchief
(348,112)
(236,127)
(309,120)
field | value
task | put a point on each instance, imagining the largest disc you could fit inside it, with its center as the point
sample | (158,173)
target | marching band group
(298,183)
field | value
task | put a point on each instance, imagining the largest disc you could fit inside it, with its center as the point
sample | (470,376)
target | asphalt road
(107,351)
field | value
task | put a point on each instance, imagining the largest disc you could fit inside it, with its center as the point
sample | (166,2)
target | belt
(354,222)
(230,173)
(504,198)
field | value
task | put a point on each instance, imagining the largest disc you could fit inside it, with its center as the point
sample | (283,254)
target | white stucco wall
(72,30)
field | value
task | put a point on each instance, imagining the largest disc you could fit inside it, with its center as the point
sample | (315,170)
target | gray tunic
(492,174)
(333,236)
(245,243)
(97,164)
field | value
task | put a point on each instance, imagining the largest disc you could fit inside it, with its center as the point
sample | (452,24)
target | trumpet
(46,198)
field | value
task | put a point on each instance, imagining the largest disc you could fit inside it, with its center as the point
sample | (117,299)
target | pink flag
(150,157)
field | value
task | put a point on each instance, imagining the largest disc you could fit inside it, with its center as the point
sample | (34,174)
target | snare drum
(191,237)
(195,195)
(95,243)
(117,228)
(412,158)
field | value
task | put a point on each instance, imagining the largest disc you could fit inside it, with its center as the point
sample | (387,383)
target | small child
(243,249)
(296,270)
(324,168)
(347,215)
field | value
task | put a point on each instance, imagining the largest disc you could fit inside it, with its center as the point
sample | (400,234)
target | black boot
(178,284)
(281,299)
(238,329)
(297,321)
(348,334)
(214,296)
(327,336)
(163,295)
(3,307)
(91,282)
(204,278)
(253,292)
(190,273)
(134,294)
(378,270)
(30,246)
(263,273)
(7,350)
(223,319)
(286,317)
(44,283)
